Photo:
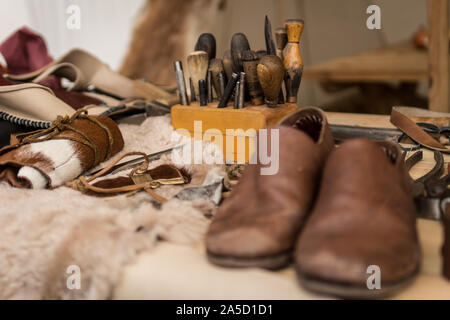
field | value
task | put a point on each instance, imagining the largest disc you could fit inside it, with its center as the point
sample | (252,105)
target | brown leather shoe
(258,223)
(364,215)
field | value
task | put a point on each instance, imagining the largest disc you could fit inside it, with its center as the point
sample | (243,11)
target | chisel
(209,86)
(271,50)
(215,67)
(182,93)
(270,45)
(202,92)
(241,90)
(228,90)
(192,89)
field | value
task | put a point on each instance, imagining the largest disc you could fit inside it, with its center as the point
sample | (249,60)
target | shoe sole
(273,262)
(354,292)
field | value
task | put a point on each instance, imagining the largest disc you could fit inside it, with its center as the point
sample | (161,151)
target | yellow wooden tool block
(232,129)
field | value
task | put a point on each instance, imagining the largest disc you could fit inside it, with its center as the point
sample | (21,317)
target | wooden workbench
(398,62)
(181,272)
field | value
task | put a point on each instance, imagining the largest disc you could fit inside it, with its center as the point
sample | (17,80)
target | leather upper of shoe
(364,215)
(263,213)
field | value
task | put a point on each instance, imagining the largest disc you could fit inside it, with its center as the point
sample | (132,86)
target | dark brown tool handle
(446,246)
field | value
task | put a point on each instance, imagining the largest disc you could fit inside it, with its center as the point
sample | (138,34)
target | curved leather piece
(406,125)
(364,215)
(32,102)
(94,72)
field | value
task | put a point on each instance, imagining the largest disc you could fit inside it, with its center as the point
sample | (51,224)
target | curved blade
(270,44)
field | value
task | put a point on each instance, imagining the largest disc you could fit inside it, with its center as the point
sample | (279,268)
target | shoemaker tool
(191,87)
(270,45)
(227,64)
(222,80)
(206,42)
(250,63)
(270,74)
(239,44)
(182,93)
(292,59)
(241,90)
(271,50)
(281,41)
(228,90)
(236,95)
(198,67)
(202,92)
(135,162)
(209,86)
(432,197)
(216,67)
(261,53)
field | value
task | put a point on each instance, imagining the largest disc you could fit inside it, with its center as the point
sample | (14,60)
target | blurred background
(142,38)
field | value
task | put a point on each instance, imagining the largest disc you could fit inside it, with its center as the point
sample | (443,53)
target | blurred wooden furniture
(400,62)
(438,55)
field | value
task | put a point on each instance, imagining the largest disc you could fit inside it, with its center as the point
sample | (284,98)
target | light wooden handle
(294,29)
(198,62)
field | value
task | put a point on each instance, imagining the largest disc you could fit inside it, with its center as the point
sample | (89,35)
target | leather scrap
(401,118)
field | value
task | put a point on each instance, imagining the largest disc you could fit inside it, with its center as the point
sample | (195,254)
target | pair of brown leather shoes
(345,216)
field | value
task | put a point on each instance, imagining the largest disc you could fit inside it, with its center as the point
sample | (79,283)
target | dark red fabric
(25,51)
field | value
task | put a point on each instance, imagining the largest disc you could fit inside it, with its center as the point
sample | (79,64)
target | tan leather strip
(83,184)
(408,126)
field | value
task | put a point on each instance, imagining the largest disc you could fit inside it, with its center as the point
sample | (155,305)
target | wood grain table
(182,272)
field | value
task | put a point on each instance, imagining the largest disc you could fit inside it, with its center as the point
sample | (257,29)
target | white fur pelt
(45,232)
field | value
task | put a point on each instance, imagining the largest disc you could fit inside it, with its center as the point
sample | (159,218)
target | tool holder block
(232,129)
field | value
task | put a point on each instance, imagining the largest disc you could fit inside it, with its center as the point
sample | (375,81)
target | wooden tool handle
(270,74)
(227,64)
(239,44)
(206,42)
(215,67)
(446,246)
(281,41)
(294,29)
(250,62)
(198,62)
(293,59)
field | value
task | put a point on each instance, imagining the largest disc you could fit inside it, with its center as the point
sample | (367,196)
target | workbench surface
(181,272)
(398,62)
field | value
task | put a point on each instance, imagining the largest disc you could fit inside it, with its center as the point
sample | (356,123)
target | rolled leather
(50,157)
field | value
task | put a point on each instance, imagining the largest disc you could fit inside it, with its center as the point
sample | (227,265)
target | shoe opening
(311,124)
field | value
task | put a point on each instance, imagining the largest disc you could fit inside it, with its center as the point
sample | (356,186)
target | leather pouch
(50,157)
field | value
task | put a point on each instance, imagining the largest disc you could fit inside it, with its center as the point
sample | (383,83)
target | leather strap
(406,125)
(64,123)
(83,184)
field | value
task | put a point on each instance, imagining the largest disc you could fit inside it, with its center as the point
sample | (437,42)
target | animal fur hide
(164,32)
(45,233)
